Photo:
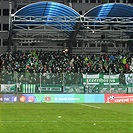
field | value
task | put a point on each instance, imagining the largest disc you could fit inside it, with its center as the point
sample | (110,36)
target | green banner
(28,88)
(50,88)
(100,79)
(100,83)
(74,89)
(8,88)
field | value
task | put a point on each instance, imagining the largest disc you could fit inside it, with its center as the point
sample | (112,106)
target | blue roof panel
(111,10)
(49,9)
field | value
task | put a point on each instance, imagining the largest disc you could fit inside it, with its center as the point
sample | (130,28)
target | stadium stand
(33,62)
(63,67)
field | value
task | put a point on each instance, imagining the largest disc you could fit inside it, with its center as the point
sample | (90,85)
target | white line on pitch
(8,121)
(92,106)
(102,121)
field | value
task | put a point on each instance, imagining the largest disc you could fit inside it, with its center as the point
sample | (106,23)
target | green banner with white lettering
(50,88)
(100,83)
(100,79)
(73,89)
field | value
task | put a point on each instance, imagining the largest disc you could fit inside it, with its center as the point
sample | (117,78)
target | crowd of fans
(29,65)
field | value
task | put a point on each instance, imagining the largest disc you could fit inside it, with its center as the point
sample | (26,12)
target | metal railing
(76,83)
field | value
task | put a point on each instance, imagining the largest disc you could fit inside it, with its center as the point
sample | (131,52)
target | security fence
(68,83)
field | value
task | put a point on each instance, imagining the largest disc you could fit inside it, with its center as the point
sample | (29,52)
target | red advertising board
(118,98)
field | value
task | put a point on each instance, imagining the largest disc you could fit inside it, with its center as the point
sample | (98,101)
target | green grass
(75,118)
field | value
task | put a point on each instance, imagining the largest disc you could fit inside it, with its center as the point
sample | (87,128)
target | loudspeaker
(104,48)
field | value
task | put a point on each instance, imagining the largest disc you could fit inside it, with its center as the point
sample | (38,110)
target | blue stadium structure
(65,18)
(48,21)
(50,13)
(111,10)
(111,14)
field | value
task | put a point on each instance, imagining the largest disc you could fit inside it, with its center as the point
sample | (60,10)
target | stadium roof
(111,10)
(49,9)
(56,17)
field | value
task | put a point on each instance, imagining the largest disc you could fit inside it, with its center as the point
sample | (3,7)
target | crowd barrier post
(40,82)
(109,80)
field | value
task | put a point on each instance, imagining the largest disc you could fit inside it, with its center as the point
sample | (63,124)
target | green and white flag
(7,88)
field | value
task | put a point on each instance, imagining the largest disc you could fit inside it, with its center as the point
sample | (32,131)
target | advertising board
(9,98)
(53,98)
(67,98)
(118,98)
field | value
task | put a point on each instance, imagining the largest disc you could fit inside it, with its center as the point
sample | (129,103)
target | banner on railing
(28,88)
(73,89)
(129,79)
(100,79)
(107,83)
(7,88)
(50,88)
